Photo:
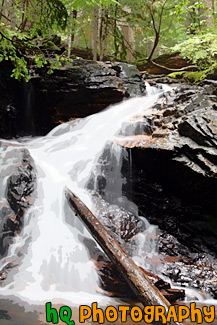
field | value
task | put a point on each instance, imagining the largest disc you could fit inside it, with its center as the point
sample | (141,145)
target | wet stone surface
(77,90)
(18,183)
(174,183)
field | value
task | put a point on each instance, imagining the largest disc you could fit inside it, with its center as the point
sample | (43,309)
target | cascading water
(55,262)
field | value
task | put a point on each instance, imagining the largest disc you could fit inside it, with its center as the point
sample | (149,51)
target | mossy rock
(195,77)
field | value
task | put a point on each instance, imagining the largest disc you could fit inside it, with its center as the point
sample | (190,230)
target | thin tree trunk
(116,31)
(128,37)
(1,9)
(7,9)
(71,37)
(23,23)
(13,15)
(95,32)
(209,13)
(104,25)
(157,30)
(101,25)
(190,18)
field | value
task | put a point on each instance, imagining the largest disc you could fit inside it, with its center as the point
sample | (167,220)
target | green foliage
(9,51)
(53,15)
(200,50)
(19,49)
(196,14)
(29,36)
(44,17)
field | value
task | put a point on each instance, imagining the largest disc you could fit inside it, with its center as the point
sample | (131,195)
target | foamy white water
(55,262)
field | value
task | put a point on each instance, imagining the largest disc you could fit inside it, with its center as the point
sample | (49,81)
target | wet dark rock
(182,153)
(124,227)
(82,89)
(155,80)
(194,230)
(8,226)
(21,184)
(74,91)
(19,173)
(122,224)
(174,183)
(113,284)
(10,90)
(197,271)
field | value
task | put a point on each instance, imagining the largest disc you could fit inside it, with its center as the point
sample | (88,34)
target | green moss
(177,75)
(195,76)
(192,77)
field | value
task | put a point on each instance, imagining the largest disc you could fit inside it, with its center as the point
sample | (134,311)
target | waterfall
(28,109)
(52,259)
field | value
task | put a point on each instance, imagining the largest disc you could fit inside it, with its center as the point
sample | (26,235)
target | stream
(53,255)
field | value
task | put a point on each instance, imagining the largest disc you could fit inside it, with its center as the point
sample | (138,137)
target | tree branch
(170,70)
(156,30)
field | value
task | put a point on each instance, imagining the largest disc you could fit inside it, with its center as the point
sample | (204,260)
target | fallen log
(143,289)
(112,283)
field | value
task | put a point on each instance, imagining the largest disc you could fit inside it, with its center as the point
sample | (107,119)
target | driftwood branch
(170,70)
(144,290)
(157,31)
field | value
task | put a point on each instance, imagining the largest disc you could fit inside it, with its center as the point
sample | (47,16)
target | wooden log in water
(113,285)
(144,290)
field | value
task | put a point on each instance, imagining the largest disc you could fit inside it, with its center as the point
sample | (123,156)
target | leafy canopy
(199,49)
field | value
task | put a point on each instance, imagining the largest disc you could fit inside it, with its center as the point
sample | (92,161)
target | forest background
(48,33)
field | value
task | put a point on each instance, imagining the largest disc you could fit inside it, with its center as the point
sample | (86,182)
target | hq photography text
(135,314)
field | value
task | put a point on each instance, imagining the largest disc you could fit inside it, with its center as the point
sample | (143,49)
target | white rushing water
(55,262)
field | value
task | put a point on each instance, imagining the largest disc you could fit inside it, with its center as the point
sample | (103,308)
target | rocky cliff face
(74,91)
(83,89)
(174,181)
(174,161)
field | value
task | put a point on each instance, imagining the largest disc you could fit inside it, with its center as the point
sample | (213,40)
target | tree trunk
(209,13)
(1,9)
(128,37)
(13,15)
(190,18)
(135,277)
(95,32)
(129,42)
(7,8)
(116,31)
(104,27)
(157,29)
(71,37)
